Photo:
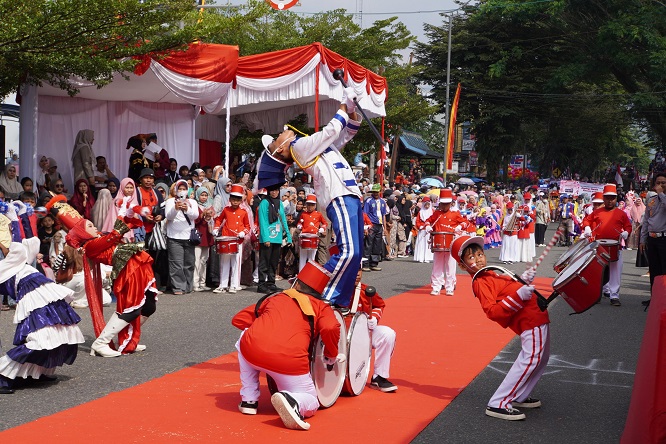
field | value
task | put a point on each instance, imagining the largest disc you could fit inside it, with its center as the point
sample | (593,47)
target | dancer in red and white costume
(311,222)
(510,304)
(609,222)
(276,338)
(443,266)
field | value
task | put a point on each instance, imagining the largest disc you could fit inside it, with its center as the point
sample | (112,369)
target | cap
(315,276)
(509,205)
(527,196)
(426,199)
(376,188)
(236,190)
(445,195)
(610,189)
(463,242)
(147,172)
(311,199)
(598,197)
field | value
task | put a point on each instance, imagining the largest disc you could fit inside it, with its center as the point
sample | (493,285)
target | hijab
(273,207)
(76,201)
(12,187)
(208,203)
(425,213)
(121,192)
(101,208)
(221,195)
(117,182)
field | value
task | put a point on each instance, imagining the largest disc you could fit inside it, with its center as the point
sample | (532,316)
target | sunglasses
(60,186)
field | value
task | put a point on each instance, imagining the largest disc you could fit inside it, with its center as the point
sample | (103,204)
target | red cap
(445,195)
(463,242)
(315,276)
(236,190)
(527,196)
(426,199)
(509,204)
(598,197)
(610,189)
(311,199)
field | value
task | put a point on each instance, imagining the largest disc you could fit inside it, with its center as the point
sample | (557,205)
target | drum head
(574,250)
(359,353)
(577,265)
(328,384)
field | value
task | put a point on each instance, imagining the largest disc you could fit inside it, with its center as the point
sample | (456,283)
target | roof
(415,143)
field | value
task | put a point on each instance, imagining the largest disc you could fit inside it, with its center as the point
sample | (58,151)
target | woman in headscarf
(404,225)
(83,157)
(201,251)
(637,210)
(113,185)
(82,199)
(126,197)
(102,207)
(422,252)
(9,182)
(221,194)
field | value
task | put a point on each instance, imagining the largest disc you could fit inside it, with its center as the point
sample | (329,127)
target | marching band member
(319,155)
(421,251)
(510,304)
(383,337)
(509,250)
(233,221)
(276,339)
(444,267)
(311,222)
(610,223)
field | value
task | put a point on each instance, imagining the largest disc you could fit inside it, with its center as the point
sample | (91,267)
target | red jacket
(446,221)
(311,222)
(279,339)
(235,221)
(607,224)
(499,300)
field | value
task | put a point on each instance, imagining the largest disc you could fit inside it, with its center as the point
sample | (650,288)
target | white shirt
(177,226)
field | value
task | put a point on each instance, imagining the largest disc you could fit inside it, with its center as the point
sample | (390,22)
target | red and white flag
(618,176)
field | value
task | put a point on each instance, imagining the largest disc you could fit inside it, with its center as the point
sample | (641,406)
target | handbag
(195,236)
(157,241)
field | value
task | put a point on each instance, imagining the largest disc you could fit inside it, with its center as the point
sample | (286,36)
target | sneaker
(615,302)
(435,292)
(197,289)
(376,268)
(449,292)
(204,288)
(366,269)
(248,407)
(508,414)
(402,255)
(287,408)
(383,384)
(232,290)
(219,290)
(529,403)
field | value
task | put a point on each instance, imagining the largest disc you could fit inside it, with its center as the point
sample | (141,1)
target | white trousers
(300,387)
(443,271)
(526,370)
(383,341)
(79,298)
(230,269)
(200,261)
(614,277)
(305,255)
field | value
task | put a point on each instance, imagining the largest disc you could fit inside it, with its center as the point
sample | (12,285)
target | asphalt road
(585,391)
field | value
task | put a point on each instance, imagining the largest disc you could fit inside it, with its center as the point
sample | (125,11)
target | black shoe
(6,391)
(508,414)
(274,288)
(248,408)
(529,403)
(383,384)
(287,408)
(615,302)
(646,303)
(47,378)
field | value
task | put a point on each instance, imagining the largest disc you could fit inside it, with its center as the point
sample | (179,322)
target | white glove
(528,275)
(241,235)
(372,323)
(21,208)
(458,230)
(587,232)
(330,361)
(216,232)
(624,235)
(11,213)
(321,231)
(299,226)
(525,292)
(348,97)
(428,229)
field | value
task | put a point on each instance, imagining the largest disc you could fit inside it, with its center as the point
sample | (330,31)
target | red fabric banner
(450,144)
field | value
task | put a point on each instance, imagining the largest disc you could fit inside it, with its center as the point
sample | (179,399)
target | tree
(53,40)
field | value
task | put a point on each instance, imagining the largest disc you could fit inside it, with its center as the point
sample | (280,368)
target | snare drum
(226,245)
(328,384)
(441,240)
(580,283)
(359,353)
(309,241)
(580,247)
(610,247)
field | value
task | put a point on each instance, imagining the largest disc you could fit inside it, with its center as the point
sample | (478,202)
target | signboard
(473,159)
(454,168)
(468,145)
(578,188)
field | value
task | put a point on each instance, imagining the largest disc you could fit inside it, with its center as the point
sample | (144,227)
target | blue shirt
(375,209)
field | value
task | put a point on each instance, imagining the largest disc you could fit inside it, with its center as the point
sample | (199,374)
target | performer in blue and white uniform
(336,189)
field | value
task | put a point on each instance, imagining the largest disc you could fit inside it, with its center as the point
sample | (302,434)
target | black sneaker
(529,403)
(615,302)
(248,407)
(508,414)
(383,384)
(287,408)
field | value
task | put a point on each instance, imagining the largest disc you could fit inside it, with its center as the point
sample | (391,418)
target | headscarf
(84,139)
(134,201)
(425,213)
(117,182)
(76,201)
(637,210)
(273,208)
(165,187)
(208,203)
(12,187)
(221,195)
(101,208)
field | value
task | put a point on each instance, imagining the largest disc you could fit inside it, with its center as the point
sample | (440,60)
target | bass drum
(359,353)
(581,247)
(580,283)
(329,383)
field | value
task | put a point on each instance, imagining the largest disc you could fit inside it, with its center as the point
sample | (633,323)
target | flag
(618,176)
(452,130)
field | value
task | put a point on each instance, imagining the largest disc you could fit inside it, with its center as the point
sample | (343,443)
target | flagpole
(448,83)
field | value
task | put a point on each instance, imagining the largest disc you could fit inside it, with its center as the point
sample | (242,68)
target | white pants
(200,261)
(443,271)
(230,269)
(526,370)
(300,387)
(383,341)
(305,255)
(615,275)
(255,272)
(79,299)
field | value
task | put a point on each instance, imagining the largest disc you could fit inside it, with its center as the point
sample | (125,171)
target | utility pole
(359,13)
(448,82)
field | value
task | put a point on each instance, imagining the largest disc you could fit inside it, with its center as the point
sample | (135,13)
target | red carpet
(442,344)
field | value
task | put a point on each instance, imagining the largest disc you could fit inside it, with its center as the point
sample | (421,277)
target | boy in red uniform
(510,304)
(609,222)
(233,221)
(312,222)
(276,339)
(443,266)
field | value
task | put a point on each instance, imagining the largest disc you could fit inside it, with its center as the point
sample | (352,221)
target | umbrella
(465,181)
(470,193)
(434,192)
(432,182)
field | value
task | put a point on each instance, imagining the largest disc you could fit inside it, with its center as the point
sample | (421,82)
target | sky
(413,13)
